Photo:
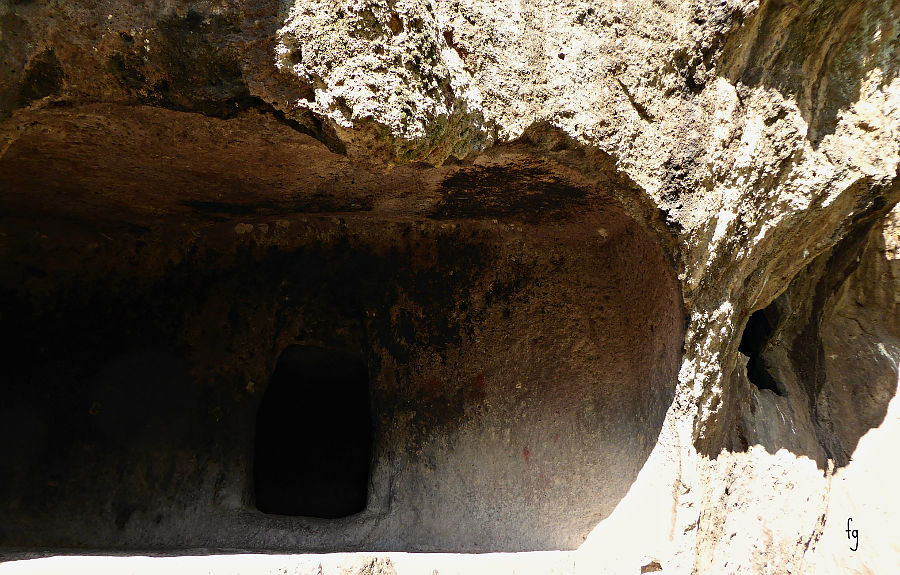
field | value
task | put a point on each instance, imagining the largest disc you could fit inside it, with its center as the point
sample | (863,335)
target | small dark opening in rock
(754,340)
(314,435)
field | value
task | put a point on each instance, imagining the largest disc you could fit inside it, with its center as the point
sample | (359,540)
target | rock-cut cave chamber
(220,334)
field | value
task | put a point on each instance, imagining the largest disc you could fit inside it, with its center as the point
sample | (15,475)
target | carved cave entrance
(313,435)
(467,358)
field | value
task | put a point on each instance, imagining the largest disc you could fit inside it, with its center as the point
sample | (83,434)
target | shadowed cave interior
(754,339)
(221,343)
(812,384)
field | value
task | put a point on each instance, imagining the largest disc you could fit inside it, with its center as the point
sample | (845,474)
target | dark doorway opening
(314,435)
(753,342)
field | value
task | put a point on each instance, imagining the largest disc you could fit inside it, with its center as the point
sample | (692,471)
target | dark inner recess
(314,435)
(754,340)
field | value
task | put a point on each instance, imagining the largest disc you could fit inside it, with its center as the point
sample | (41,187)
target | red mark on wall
(432,386)
(526,454)
(479,386)
(556,437)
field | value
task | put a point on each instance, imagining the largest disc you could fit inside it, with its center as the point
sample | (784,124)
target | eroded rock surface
(506,210)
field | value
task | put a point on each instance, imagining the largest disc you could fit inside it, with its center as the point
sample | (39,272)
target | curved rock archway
(520,330)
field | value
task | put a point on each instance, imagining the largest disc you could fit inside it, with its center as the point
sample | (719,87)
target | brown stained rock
(520,330)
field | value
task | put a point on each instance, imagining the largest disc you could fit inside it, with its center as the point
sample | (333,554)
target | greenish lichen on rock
(386,62)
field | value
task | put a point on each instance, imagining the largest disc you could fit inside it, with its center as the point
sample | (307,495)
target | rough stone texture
(746,150)
(522,334)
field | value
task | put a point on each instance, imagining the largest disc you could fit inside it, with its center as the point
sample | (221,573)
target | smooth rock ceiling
(618,278)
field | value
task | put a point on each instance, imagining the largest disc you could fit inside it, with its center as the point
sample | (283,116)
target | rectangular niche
(313,441)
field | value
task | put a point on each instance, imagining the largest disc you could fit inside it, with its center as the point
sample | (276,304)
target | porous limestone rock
(752,145)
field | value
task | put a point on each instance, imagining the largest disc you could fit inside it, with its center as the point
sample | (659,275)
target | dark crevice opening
(754,340)
(313,443)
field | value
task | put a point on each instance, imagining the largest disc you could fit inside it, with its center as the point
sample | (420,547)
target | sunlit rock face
(617,277)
